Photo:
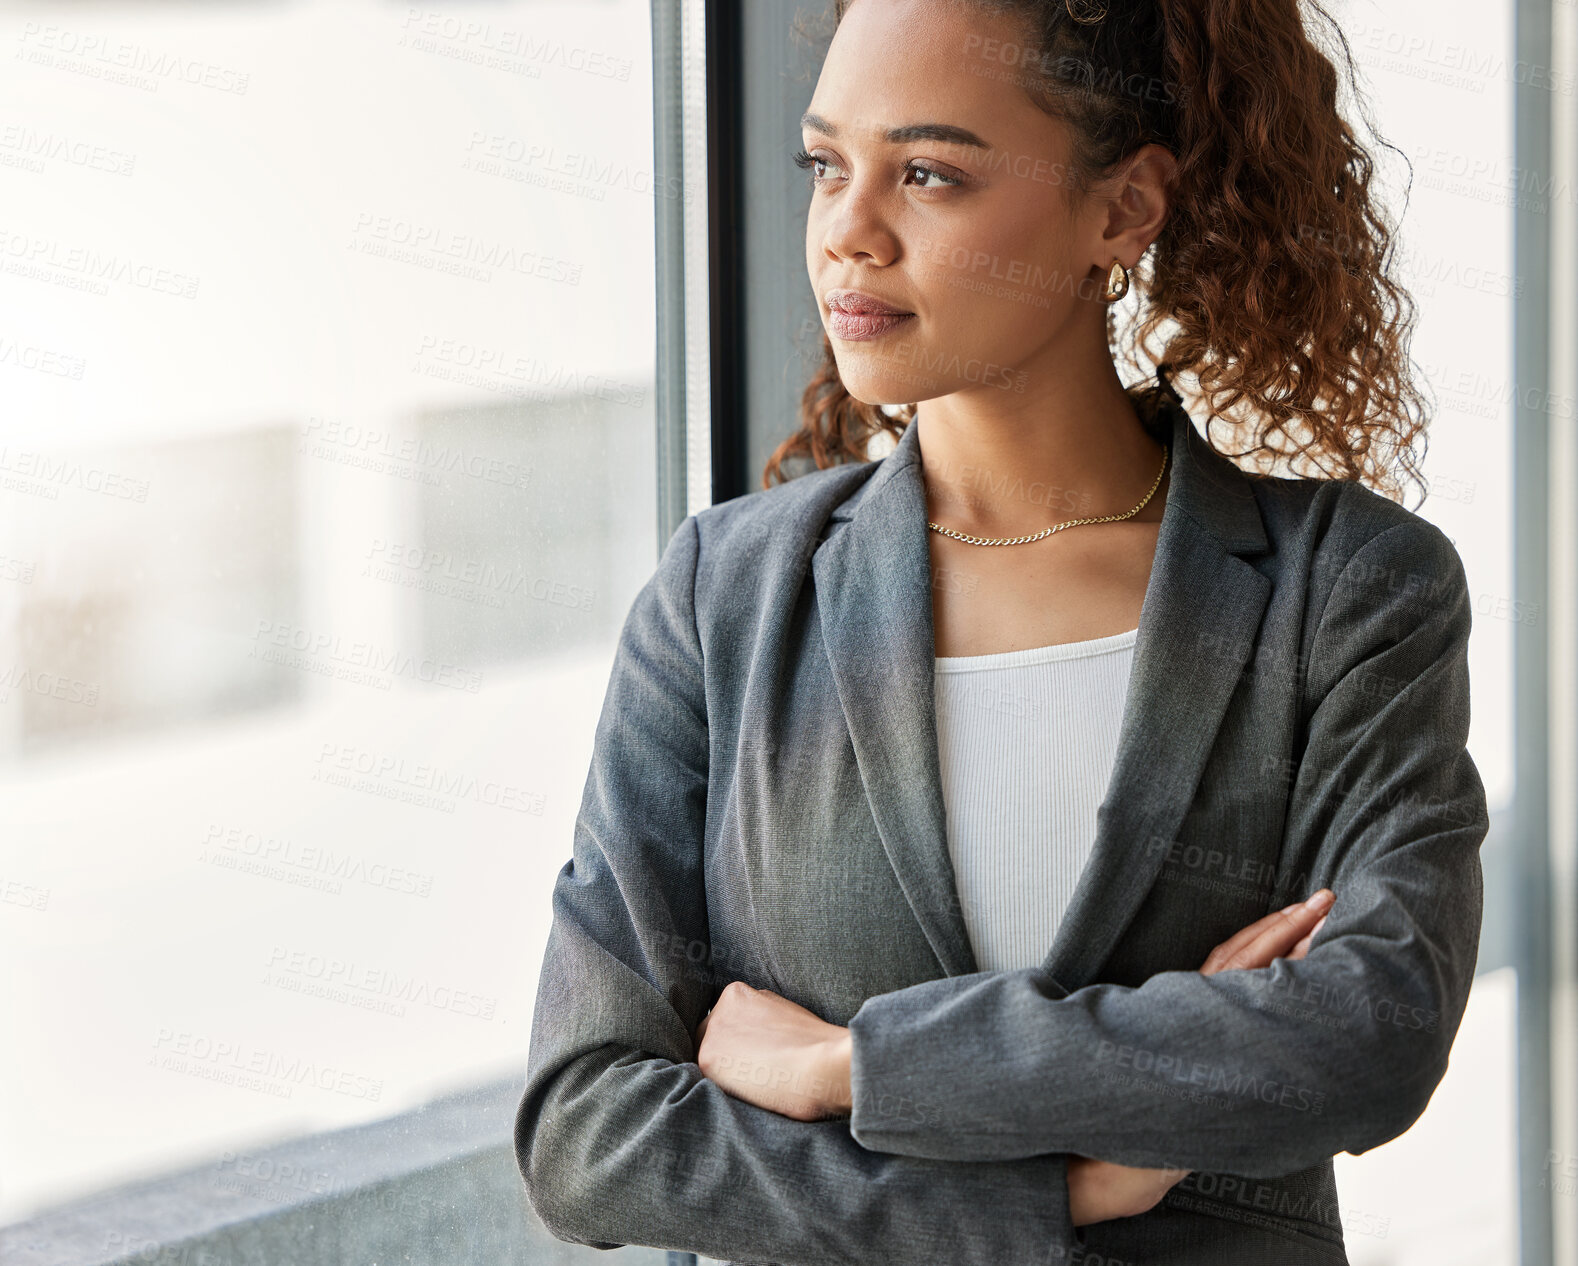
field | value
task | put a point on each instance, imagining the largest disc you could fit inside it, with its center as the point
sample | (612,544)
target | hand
(762,1048)
(1284,934)
(1097,1189)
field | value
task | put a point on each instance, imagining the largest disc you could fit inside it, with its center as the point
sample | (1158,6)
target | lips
(857,328)
(854,315)
(859,303)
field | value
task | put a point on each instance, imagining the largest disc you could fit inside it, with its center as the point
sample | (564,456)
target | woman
(938,890)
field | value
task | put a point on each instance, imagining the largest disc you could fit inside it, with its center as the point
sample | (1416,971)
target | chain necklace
(1056,527)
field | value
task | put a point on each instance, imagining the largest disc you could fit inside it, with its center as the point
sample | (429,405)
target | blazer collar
(1198,623)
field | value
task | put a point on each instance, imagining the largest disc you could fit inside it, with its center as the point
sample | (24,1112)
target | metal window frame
(1545,700)
(698,226)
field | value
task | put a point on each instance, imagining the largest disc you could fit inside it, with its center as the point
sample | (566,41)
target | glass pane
(326,441)
(1439,78)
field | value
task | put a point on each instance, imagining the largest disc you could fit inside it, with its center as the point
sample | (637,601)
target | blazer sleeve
(1252,1072)
(619,1137)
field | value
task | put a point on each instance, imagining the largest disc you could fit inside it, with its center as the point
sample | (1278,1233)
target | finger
(1302,948)
(1291,922)
(1276,918)
(1270,937)
(1272,944)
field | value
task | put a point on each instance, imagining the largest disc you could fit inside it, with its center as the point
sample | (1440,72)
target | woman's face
(967,229)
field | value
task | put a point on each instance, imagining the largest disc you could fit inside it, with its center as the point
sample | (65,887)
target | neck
(997,463)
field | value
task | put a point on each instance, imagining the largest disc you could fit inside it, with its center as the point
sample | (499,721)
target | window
(328,459)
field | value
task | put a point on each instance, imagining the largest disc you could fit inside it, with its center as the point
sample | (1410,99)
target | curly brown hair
(1272,270)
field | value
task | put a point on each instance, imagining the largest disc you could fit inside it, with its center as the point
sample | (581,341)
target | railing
(437,1186)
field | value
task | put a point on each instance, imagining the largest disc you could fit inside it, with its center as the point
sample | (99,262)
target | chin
(882,390)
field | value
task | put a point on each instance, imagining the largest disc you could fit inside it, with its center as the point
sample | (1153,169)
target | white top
(1027,741)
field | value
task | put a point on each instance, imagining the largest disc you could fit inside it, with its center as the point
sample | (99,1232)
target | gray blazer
(764,804)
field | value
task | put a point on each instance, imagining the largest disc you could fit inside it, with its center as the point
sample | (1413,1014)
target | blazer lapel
(873,592)
(1198,628)
(1198,625)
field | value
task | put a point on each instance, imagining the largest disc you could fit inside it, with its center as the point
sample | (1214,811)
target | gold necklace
(1057,527)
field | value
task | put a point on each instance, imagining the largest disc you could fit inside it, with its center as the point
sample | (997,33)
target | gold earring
(1117,282)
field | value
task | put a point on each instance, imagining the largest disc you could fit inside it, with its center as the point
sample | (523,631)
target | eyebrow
(909,132)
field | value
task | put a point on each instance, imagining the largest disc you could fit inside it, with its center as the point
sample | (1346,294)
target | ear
(1136,202)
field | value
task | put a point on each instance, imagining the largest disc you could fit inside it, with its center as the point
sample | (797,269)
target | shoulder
(781,523)
(1373,574)
(1340,530)
(728,561)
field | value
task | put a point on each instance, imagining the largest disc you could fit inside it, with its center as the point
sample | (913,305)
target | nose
(858,225)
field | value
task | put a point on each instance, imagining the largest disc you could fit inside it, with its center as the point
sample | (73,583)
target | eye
(918,169)
(937,179)
(806,162)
